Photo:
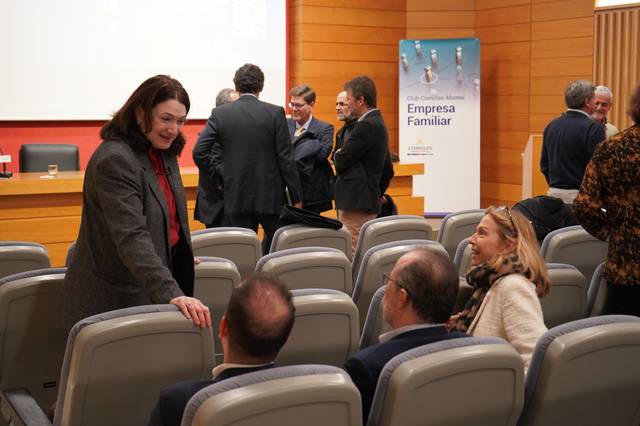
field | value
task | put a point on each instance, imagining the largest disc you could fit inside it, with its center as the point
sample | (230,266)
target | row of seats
(585,372)
(328,321)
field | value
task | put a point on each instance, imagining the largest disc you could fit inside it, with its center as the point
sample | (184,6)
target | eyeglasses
(513,225)
(294,105)
(386,278)
(341,104)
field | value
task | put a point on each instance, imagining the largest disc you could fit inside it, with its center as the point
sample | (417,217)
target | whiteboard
(82,59)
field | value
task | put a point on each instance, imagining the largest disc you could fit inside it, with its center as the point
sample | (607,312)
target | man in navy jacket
(312,142)
(569,142)
(255,326)
(419,297)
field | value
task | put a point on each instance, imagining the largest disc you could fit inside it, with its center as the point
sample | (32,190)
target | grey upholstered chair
(313,395)
(597,293)
(379,260)
(587,373)
(457,226)
(239,245)
(374,323)
(309,267)
(20,256)
(36,157)
(325,330)
(32,337)
(574,246)
(116,364)
(464,381)
(387,229)
(295,236)
(215,279)
(567,300)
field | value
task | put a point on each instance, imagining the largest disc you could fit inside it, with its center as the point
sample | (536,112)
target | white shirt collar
(248,94)
(305,125)
(226,366)
(385,337)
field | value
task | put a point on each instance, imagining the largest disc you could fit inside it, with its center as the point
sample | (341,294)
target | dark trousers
(269,224)
(622,300)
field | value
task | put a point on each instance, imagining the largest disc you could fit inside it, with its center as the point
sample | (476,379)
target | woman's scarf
(481,278)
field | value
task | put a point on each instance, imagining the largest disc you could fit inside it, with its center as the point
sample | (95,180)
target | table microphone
(4,159)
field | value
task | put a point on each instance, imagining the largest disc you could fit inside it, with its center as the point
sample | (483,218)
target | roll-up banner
(439,121)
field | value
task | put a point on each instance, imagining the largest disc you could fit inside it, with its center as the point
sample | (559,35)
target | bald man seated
(420,294)
(255,326)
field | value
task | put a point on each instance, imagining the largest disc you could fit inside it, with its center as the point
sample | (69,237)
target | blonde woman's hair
(515,227)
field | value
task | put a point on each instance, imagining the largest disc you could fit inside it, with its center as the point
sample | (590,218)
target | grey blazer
(122,256)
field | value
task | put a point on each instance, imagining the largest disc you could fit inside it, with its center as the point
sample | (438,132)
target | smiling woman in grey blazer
(134,247)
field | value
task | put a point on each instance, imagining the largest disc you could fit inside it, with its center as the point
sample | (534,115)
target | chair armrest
(20,409)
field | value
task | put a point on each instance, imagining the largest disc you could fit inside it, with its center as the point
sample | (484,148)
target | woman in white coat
(509,276)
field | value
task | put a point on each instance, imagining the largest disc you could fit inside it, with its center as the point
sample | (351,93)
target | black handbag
(293,215)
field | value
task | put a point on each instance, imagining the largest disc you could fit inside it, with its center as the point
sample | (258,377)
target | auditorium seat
(387,229)
(567,300)
(374,323)
(465,381)
(574,246)
(70,250)
(116,364)
(378,260)
(294,236)
(36,157)
(325,329)
(215,279)
(20,256)
(597,293)
(462,258)
(587,373)
(457,226)
(239,245)
(312,395)
(32,337)
(309,267)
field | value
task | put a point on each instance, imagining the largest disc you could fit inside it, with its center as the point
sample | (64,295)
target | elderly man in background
(602,105)
(210,196)
(569,142)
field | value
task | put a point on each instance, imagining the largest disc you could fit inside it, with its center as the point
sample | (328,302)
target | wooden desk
(48,211)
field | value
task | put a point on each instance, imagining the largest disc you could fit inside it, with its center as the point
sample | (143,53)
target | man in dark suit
(210,196)
(312,141)
(420,294)
(247,142)
(360,161)
(255,326)
(569,142)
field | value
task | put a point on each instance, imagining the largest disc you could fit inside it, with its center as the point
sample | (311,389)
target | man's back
(253,154)
(568,144)
(365,366)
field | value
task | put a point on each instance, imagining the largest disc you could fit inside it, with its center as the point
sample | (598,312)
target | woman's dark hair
(634,106)
(124,124)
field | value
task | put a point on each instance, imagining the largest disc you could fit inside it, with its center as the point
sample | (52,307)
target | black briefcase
(293,215)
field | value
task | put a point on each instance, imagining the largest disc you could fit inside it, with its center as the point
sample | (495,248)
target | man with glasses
(312,141)
(420,294)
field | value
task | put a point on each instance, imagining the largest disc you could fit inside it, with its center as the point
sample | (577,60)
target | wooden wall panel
(333,41)
(617,57)
(530,51)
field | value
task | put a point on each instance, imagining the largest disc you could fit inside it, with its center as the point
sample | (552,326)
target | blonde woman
(509,276)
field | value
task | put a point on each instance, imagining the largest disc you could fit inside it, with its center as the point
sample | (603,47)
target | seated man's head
(257,322)
(421,289)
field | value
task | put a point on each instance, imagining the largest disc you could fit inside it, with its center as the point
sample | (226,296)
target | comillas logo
(420,148)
